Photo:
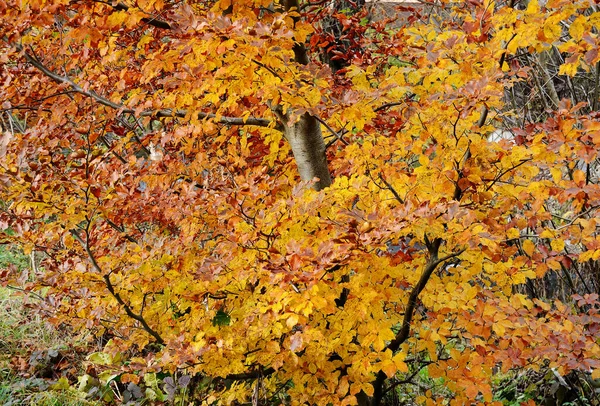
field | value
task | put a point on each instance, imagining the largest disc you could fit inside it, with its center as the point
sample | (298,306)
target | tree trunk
(305,136)
(308,147)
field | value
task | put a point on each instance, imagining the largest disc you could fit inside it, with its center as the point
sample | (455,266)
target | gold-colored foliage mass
(148,151)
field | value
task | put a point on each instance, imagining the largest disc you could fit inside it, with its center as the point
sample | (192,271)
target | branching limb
(246,376)
(260,122)
(504,172)
(385,106)
(404,333)
(410,377)
(121,230)
(18,289)
(338,137)
(137,317)
(391,189)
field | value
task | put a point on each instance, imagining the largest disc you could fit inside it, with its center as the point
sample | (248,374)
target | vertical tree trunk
(308,147)
(305,136)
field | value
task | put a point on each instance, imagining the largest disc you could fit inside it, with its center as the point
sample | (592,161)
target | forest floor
(39,364)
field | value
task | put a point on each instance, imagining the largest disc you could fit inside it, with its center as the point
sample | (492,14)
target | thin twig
(596,88)
(113,292)
(25,291)
(501,174)
(391,189)
(338,137)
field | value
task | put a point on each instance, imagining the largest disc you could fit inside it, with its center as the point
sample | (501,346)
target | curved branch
(404,333)
(260,122)
(113,292)
(246,376)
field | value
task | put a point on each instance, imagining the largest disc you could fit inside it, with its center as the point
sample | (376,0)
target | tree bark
(306,140)
(305,136)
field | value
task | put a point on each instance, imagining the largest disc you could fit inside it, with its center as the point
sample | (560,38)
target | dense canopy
(300,199)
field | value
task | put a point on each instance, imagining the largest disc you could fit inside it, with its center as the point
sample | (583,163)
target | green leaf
(221,319)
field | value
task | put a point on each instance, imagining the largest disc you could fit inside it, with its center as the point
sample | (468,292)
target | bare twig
(338,136)
(18,289)
(596,88)
(391,189)
(504,172)
(384,106)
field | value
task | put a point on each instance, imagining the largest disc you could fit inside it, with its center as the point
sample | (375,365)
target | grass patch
(34,356)
(37,360)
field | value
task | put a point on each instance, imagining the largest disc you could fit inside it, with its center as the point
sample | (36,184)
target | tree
(146,152)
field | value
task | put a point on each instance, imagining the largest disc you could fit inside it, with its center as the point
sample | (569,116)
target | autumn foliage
(151,150)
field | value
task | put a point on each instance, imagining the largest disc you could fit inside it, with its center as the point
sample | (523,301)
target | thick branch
(260,122)
(300,54)
(404,332)
(304,136)
(113,292)
(308,147)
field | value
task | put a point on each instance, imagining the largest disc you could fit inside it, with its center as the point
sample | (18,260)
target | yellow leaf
(343,386)
(472,391)
(533,8)
(435,371)
(354,388)
(586,256)
(117,18)
(400,364)
(553,264)
(292,320)
(557,245)
(556,174)
(61,384)
(552,31)
(579,177)
(568,326)
(302,30)
(577,28)
(569,69)
(513,233)
(528,247)
(368,389)
(389,368)
(273,347)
